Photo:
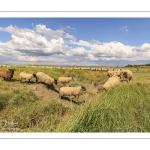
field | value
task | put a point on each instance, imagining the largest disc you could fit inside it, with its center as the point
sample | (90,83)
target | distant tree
(129,65)
(147,64)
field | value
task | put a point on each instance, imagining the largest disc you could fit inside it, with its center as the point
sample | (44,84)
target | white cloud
(44,45)
(49,33)
(79,51)
(81,43)
(68,27)
(124,29)
(71,37)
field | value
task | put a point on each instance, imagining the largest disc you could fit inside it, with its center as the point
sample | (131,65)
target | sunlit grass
(122,109)
(125,108)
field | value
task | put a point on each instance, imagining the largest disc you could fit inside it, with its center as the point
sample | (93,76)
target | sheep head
(83,88)
(55,81)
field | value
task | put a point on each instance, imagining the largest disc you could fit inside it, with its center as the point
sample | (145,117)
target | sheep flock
(115,77)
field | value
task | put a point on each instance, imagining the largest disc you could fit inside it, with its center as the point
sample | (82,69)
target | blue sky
(75,41)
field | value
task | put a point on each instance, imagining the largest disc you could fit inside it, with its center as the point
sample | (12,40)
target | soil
(45,93)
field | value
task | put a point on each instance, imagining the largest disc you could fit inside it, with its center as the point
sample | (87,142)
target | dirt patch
(46,93)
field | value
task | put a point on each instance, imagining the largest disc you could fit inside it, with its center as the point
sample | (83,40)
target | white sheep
(111,82)
(110,73)
(64,80)
(27,76)
(126,74)
(114,72)
(71,91)
(46,79)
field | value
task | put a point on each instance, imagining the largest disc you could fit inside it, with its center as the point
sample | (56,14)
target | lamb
(126,74)
(64,80)
(46,79)
(68,91)
(7,74)
(27,76)
(111,82)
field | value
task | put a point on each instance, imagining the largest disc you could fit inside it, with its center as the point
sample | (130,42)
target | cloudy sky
(75,41)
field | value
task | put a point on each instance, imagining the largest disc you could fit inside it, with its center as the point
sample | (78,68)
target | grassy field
(34,108)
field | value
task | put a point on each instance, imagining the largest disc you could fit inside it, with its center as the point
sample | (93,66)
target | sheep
(64,79)
(71,91)
(27,76)
(126,74)
(46,79)
(110,73)
(111,82)
(114,72)
(7,74)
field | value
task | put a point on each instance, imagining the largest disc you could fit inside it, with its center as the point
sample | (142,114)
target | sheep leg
(29,81)
(74,96)
(60,97)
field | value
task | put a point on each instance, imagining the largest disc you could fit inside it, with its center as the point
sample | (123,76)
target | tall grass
(122,109)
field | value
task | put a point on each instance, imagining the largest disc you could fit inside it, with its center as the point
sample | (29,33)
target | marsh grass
(125,108)
(121,109)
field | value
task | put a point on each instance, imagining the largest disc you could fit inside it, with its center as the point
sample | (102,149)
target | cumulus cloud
(44,45)
(49,33)
(144,48)
(71,37)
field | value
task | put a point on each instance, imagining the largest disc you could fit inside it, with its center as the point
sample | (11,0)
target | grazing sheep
(126,74)
(27,76)
(64,79)
(7,74)
(46,79)
(110,73)
(68,91)
(111,82)
(114,72)
(93,69)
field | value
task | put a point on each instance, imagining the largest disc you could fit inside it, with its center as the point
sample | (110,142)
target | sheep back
(7,74)
(64,79)
(68,91)
(44,78)
(111,82)
(24,75)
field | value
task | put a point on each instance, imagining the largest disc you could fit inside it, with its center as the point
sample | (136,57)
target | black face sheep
(27,76)
(71,91)
(7,74)
(64,80)
(46,79)
(111,82)
(126,74)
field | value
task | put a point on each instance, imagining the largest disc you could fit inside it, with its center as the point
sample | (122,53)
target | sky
(75,41)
